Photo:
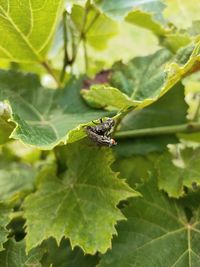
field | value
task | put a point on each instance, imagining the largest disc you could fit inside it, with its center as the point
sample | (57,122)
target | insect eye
(113,142)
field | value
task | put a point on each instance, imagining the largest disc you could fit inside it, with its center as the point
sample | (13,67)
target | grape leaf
(14,255)
(146,120)
(4,220)
(82,207)
(189,10)
(45,117)
(170,38)
(117,9)
(144,79)
(16,180)
(157,232)
(146,20)
(98,28)
(173,178)
(21,28)
(176,40)
(160,112)
(135,169)
(64,256)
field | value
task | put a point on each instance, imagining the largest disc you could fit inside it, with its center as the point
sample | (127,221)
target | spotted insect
(101,133)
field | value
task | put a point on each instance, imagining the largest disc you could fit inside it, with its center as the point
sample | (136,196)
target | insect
(101,133)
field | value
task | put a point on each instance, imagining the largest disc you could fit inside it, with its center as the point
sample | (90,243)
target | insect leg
(96,123)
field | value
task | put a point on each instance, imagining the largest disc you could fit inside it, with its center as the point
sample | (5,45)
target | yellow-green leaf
(27,28)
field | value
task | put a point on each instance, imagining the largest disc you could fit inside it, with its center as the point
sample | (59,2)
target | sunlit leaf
(5,127)
(27,28)
(119,8)
(97,27)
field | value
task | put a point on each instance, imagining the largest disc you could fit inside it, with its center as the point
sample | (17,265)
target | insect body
(101,133)
(104,128)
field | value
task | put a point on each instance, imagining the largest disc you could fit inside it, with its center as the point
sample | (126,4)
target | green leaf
(146,20)
(174,176)
(16,180)
(144,145)
(176,40)
(149,118)
(100,95)
(156,233)
(144,79)
(135,169)
(119,8)
(160,112)
(168,36)
(82,207)
(5,127)
(4,220)
(44,117)
(28,28)
(97,27)
(64,256)
(189,10)
(14,255)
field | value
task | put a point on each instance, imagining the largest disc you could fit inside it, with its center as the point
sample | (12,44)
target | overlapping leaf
(14,255)
(146,20)
(157,233)
(16,180)
(171,38)
(64,256)
(4,220)
(82,207)
(173,177)
(144,79)
(45,117)
(189,10)
(118,9)
(5,127)
(142,123)
(96,27)
(25,37)
(135,169)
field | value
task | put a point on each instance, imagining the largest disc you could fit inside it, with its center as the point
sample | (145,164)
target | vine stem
(172,129)
(66,59)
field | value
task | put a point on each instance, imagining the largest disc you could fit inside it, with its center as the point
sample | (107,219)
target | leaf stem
(172,129)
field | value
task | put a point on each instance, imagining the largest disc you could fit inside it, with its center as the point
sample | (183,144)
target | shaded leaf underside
(144,79)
